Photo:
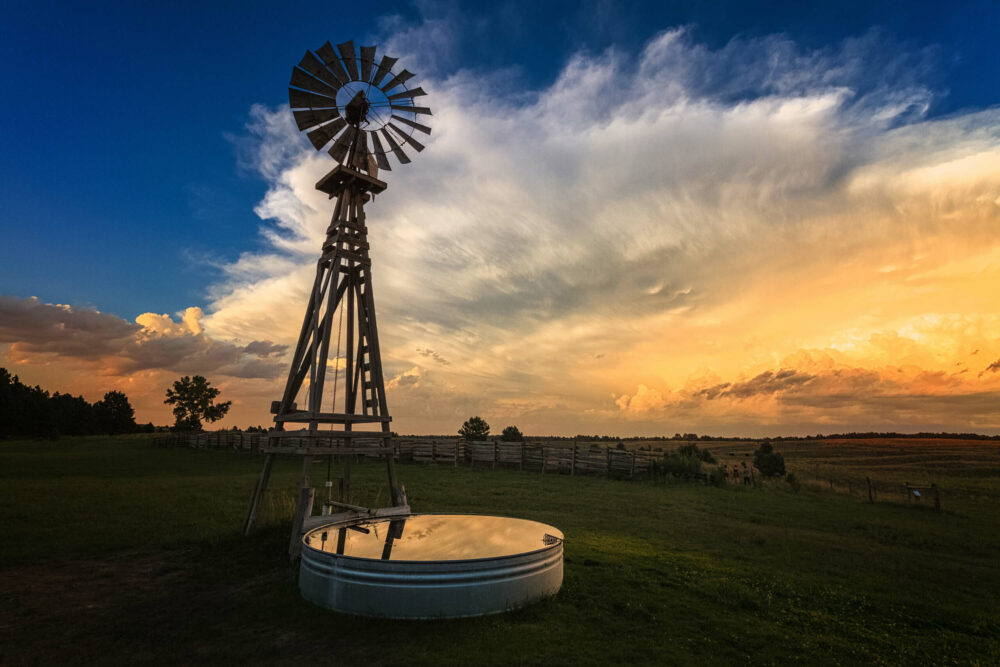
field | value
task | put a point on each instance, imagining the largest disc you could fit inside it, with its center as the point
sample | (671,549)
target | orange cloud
(88,352)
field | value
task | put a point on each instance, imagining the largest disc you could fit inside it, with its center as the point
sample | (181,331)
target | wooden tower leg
(258,495)
(390,468)
(303,509)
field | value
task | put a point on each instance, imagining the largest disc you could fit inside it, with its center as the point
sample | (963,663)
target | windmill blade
(300,99)
(384,67)
(330,59)
(397,151)
(314,66)
(422,128)
(400,78)
(367,61)
(407,107)
(383,161)
(302,80)
(416,92)
(308,118)
(350,58)
(407,138)
(322,135)
(343,144)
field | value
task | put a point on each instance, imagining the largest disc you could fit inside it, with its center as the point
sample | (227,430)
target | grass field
(115,552)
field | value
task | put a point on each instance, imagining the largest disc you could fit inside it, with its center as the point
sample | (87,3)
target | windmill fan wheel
(366,110)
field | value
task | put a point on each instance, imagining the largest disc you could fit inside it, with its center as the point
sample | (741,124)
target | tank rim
(350,522)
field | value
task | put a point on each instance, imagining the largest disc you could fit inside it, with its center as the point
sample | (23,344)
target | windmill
(362,113)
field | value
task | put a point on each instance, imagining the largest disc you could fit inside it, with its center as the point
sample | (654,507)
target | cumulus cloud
(37,330)
(729,230)
(89,352)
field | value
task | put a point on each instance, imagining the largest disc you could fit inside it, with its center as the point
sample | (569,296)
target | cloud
(643,401)
(410,378)
(37,330)
(690,213)
(768,382)
(435,356)
(106,351)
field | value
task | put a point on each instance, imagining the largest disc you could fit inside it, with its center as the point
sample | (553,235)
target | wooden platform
(341,177)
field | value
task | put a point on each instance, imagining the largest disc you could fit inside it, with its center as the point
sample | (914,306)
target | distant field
(114,552)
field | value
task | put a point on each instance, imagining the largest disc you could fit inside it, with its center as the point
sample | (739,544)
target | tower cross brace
(343,281)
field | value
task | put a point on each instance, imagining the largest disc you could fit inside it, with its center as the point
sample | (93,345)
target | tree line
(27,411)
(32,411)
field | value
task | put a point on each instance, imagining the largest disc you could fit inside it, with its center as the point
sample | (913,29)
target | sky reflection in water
(435,537)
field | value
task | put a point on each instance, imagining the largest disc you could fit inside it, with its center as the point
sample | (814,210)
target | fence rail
(539,456)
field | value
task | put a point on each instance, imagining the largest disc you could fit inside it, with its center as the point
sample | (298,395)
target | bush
(694,451)
(769,462)
(717,477)
(793,482)
(512,434)
(683,462)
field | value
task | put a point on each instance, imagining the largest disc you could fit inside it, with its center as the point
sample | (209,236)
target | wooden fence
(234,440)
(546,457)
(543,457)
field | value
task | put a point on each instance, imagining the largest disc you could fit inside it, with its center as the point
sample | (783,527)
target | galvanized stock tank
(431,565)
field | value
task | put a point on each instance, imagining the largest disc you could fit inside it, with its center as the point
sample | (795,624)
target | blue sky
(120,189)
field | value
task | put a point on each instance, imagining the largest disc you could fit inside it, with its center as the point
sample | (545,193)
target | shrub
(694,451)
(681,462)
(769,462)
(793,482)
(512,434)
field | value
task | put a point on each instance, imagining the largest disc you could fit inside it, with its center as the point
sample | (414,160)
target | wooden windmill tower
(367,111)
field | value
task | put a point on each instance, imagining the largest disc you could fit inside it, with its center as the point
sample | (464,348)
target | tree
(114,414)
(193,400)
(512,434)
(769,462)
(475,428)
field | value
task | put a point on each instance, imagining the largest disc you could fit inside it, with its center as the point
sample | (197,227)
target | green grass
(115,552)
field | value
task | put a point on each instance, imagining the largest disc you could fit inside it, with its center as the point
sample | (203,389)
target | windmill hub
(377,113)
(356,111)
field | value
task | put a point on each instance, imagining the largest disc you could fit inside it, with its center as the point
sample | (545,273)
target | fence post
(631,472)
(607,453)
(456,453)
(572,462)
(871,497)
(937,497)
(545,459)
